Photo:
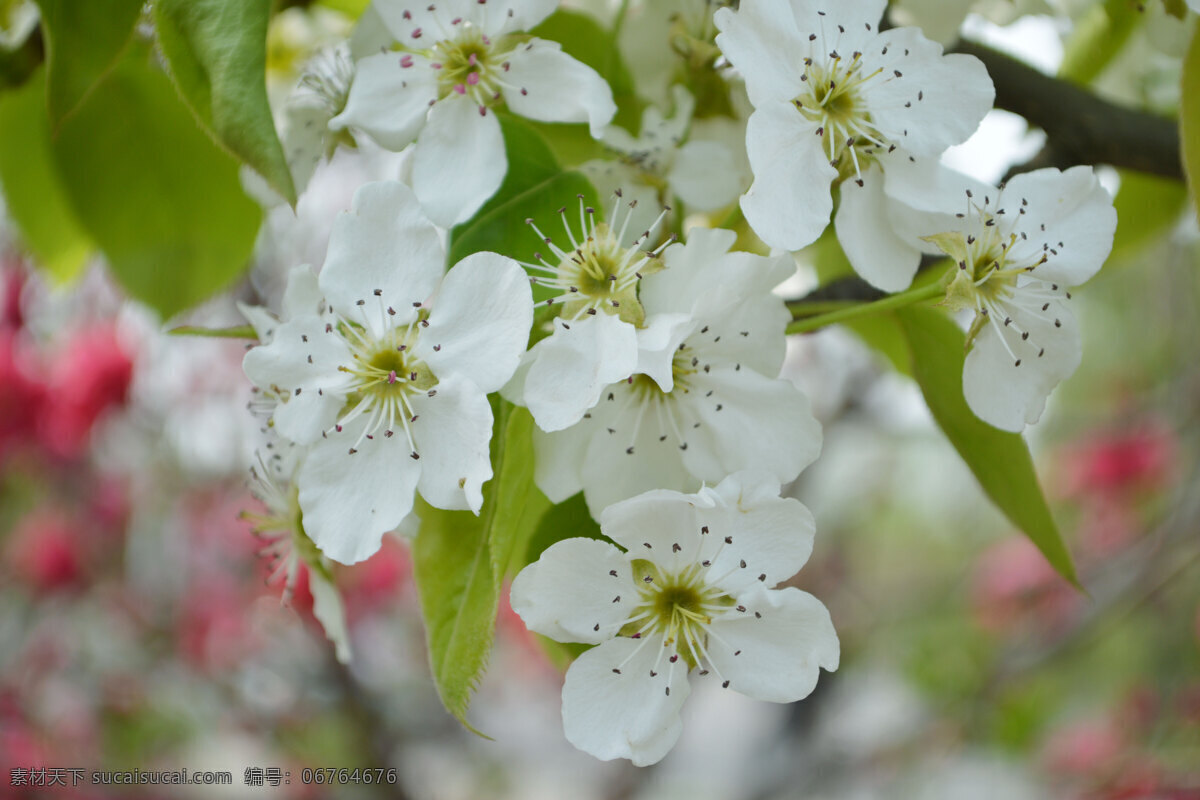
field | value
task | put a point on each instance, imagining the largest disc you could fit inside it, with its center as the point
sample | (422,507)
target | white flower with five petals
(835,98)
(392,396)
(689,589)
(703,399)
(1019,250)
(457,60)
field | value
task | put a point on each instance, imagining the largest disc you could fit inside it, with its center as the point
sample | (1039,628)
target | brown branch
(1081,128)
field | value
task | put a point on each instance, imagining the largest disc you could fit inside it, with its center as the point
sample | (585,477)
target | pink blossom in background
(1014,585)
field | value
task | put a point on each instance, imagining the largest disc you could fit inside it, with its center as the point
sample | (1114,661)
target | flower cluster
(651,369)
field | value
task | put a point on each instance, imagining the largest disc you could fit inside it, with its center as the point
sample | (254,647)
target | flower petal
(388,100)
(612,708)
(303,294)
(778,654)
(761,40)
(350,500)
(571,368)
(452,430)
(659,525)
(789,203)
(557,458)
(384,252)
(1007,378)
(567,594)
(329,611)
(926,101)
(752,421)
(480,321)
(1078,218)
(877,252)
(705,176)
(551,86)
(459,161)
(772,536)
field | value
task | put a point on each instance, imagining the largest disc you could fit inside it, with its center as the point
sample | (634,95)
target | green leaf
(217,50)
(460,560)
(1000,461)
(236,332)
(1189,119)
(518,503)
(586,40)
(32,189)
(1147,206)
(84,41)
(568,519)
(534,188)
(159,198)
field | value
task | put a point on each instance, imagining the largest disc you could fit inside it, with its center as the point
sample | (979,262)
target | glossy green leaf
(586,40)
(158,197)
(30,182)
(1000,461)
(84,41)
(460,559)
(1189,119)
(534,188)
(217,50)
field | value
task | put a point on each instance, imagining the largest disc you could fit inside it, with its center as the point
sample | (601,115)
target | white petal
(788,204)
(328,609)
(761,40)
(705,176)
(620,463)
(568,593)
(661,526)
(262,321)
(452,432)
(480,321)
(772,536)
(848,25)
(657,343)
(946,96)
(557,459)
(303,294)
(525,15)
(571,368)
(305,128)
(351,500)
(387,100)
(1078,216)
(627,714)
(403,17)
(884,258)
(551,86)
(780,653)
(383,243)
(1009,396)
(459,161)
(753,421)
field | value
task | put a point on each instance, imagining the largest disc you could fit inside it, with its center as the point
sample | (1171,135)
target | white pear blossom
(689,589)
(703,399)
(1019,250)
(941,19)
(595,338)
(391,395)
(288,546)
(456,62)
(835,98)
(662,163)
(321,95)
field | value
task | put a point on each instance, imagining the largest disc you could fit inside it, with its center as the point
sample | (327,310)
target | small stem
(901,300)
(619,21)
(809,308)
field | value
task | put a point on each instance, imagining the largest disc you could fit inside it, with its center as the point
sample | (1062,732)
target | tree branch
(1081,127)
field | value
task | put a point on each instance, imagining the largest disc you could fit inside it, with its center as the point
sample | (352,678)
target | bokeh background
(141,628)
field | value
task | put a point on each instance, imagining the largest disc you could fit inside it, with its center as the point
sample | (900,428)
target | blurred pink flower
(45,551)
(88,378)
(22,394)
(1140,458)
(1014,584)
